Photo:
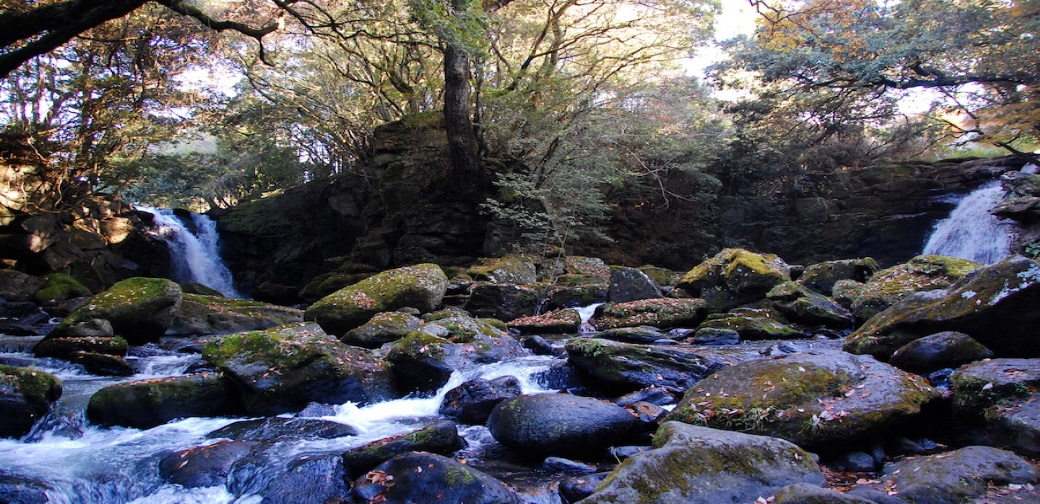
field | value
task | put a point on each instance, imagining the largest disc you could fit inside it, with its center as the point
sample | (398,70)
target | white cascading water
(196,256)
(971,232)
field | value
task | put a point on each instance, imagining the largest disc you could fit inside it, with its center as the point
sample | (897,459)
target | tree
(853,59)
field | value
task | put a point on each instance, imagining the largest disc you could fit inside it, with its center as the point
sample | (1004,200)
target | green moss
(459,476)
(59,287)
(35,385)
(418,344)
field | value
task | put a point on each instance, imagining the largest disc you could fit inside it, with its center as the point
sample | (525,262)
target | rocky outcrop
(139,310)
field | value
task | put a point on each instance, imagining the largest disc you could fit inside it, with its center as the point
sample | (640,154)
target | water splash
(971,232)
(196,254)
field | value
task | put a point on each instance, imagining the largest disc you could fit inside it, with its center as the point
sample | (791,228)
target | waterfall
(971,232)
(196,253)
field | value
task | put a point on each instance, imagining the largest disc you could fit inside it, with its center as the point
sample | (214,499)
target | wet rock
(285,368)
(626,367)
(734,277)
(102,364)
(441,437)
(922,273)
(306,480)
(752,324)
(59,287)
(821,401)
(562,465)
(806,493)
(145,404)
(138,309)
(803,306)
(15,489)
(426,477)
(652,395)
(1014,426)
(821,277)
(277,428)
(643,334)
(382,328)
(631,284)
(714,336)
(957,476)
(854,462)
(693,465)
(421,286)
(26,396)
(65,348)
(565,321)
(559,425)
(201,315)
(541,346)
(472,402)
(982,385)
(502,301)
(662,313)
(511,269)
(948,349)
(579,487)
(994,305)
(204,466)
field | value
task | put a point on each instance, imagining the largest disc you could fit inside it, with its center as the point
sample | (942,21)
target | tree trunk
(462,141)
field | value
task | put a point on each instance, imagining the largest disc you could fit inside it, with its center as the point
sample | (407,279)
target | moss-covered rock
(510,269)
(442,479)
(139,309)
(948,349)
(819,401)
(752,324)
(65,348)
(804,306)
(421,286)
(958,476)
(698,465)
(60,287)
(980,387)
(556,321)
(25,396)
(328,283)
(734,277)
(284,368)
(202,315)
(821,277)
(502,301)
(145,404)
(662,313)
(624,367)
(441,437)
(995,305)
(561,425)
(382,328)
(922,273)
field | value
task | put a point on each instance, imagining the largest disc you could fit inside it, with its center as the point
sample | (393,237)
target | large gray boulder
(560,425)
(698,465)
(957,476)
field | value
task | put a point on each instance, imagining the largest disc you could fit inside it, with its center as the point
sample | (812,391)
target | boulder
(138,309)
(511,269)
(1013,425)
(307,479)
(922,273)
(17,489)
(441,437)
(631,284)
(424,360)
(202,315)
(818,400)
(59,287)
(948,349)
(561,425)
(502,301)
(821,277)
(26,396)
(698,465)
(752,324)
(144,404)
(957,476)
(204,466)
(102,364)
(734,277)
(18,286)
(982,387)
(994,305)
(284,368)
(472,402)
(557,321)
(92,337)
(626,367)
(421,286)
(801,305)
(806,493)
(646,335)
(426,477)
(385,327)
(278,428)
(662,313)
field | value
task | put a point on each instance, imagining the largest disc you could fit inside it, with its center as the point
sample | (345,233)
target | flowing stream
(85,464)
(971,232)
(195,252)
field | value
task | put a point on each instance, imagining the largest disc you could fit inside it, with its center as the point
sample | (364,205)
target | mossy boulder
(981,387)
(510,269)
(557,321)
(734,277)
(821,277)
(441,437)
(65,348)
(441,479)
(202,315)
(284,368)
(145,404)
(631,284)
(502,301)
(139,309)
(26,396)
(662,313)
(752,324)
(948,349)
(922,273)
(382,328)
(698,465)
(560,425)
(424,360)
(958,476)
(328,283)
(816,400)
(60,287)
(995,305)
(421,286)
(624,367)
(803,306)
